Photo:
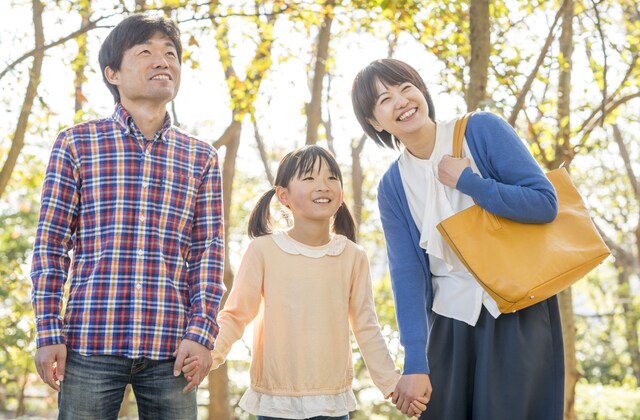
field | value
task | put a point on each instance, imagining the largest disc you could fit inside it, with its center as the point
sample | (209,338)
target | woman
(482,364)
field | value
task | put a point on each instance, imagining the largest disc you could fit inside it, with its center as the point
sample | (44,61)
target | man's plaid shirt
(144,222)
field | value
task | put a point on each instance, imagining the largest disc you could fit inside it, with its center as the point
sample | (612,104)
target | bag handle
(458,134)
(458,137)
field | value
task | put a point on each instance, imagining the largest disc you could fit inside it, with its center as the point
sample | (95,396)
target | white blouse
(456,294)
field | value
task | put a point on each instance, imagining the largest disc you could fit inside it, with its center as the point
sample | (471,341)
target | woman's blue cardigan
(512,185)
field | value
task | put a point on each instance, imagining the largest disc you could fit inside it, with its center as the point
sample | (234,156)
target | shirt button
(145,185)
(138,286)
(142,218)
(140,252)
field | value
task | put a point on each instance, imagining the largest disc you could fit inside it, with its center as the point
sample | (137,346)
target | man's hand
(450,169)
(50,363)
(187,352)
(409,389)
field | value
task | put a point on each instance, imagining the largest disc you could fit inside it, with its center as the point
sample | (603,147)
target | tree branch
(263,151)
(604,54)
(89,26)
(624,153)
(17,143)
(534,72)
(314,107)
(589,124)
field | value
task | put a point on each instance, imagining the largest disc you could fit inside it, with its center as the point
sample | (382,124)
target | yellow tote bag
(521,264)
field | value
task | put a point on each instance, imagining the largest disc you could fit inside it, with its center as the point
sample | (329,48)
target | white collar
(334,247)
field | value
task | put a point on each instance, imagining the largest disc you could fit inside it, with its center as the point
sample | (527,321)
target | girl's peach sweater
(303,300)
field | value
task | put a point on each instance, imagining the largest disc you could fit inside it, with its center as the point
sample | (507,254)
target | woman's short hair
(364,95)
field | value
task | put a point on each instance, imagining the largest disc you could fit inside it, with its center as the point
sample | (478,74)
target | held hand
(409,389)
(190,367)
(45,359)
(450,169)
(417,407)
(187,351)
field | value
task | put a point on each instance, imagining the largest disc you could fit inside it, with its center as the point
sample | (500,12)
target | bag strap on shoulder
(458,134)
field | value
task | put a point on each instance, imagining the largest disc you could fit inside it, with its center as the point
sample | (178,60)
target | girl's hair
(296,164)
(364,94)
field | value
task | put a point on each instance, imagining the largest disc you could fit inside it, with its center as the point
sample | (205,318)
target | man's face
(149,73)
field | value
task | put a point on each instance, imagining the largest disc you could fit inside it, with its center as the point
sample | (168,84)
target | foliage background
(263,77)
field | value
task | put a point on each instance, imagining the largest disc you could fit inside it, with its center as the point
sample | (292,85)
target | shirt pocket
(175,202)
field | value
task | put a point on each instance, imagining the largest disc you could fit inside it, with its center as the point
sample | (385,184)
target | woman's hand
(450,169)
(409,389)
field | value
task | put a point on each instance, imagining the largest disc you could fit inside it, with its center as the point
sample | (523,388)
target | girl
(304,287)
(482,364)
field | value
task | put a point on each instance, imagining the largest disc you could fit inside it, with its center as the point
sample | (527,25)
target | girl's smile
(314,196)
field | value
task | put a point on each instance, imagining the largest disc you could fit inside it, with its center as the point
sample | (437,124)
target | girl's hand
(190,367)
(188,350)
(450,169)
(417,406)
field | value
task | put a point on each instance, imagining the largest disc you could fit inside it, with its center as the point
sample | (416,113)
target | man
(139,202)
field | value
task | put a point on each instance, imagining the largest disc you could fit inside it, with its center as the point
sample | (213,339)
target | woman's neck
(421,143)
(312,234)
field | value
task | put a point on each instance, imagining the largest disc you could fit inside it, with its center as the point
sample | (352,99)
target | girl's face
(313,196)
(401,110)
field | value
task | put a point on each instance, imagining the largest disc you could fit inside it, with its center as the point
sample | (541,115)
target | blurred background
(260,78)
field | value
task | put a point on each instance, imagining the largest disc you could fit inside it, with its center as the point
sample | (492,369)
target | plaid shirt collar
(128,125)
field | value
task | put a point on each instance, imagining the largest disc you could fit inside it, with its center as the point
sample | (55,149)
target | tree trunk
(357,178)
(80,62)
(314,108)
(571,374)
(218,379)
(480,50)
(22,386)
(263,152)
(219,408)
(627,263)
(630,320)
(34,79)
(564,152)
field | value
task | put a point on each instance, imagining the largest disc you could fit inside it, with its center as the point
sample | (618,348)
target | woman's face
(400,110)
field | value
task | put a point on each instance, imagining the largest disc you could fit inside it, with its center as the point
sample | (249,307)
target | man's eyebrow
(166,43)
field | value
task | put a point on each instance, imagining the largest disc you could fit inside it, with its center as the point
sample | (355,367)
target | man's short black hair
(134,30)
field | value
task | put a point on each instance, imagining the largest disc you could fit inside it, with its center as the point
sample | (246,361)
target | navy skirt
(509,368)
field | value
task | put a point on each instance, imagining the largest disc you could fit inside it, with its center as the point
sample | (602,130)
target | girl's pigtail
(260,219)
(343,222)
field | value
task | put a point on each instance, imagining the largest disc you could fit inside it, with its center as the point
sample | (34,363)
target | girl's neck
(421,143)
(310,233)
